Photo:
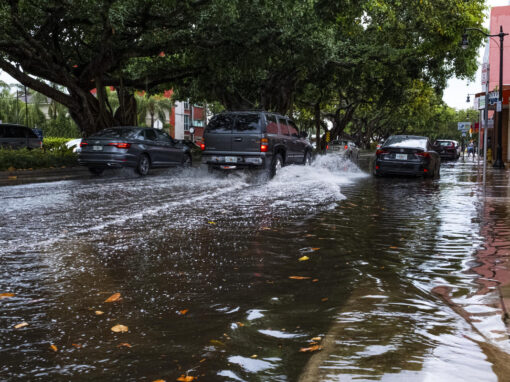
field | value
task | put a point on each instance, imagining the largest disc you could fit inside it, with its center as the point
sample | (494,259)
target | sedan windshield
(406,141)
(122,132)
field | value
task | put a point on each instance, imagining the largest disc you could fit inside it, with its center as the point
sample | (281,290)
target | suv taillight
(83,144)
(263,145)
(120,145)
(381,152)
(202,146)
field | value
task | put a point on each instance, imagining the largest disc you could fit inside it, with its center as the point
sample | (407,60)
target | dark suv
(17,137)
(254,139)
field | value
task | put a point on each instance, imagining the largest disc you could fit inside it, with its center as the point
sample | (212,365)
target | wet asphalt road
(230,278)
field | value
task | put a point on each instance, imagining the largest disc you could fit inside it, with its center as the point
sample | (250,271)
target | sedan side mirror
(303,134)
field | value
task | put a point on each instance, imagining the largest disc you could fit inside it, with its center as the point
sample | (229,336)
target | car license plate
(231,159)
(97,148)
(401,156)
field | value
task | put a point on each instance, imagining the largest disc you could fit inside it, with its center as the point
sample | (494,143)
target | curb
(9,178)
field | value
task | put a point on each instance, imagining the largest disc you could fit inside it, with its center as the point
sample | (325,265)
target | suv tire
(308,159)
(276,165)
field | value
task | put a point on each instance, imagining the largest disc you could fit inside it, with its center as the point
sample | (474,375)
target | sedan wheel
(96,170)
(186,161)
(143,165)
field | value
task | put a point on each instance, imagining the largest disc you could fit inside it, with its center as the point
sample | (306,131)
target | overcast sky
(454,95)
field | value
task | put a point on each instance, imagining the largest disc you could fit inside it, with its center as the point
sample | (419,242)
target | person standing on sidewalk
(471,149)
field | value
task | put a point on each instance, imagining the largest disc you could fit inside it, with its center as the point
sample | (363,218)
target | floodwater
(323,273)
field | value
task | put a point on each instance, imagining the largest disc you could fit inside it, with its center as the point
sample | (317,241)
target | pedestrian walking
(471,149)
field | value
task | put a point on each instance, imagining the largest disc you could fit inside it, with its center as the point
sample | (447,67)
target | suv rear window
(247,123)
(221,123)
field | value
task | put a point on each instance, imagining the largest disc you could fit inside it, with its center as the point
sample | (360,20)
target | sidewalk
(9,178)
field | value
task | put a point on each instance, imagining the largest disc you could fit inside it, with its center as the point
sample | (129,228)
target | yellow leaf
(54,348)
(183,312)
(310,349)
(240,323)
(98,312)
(159,380)
(393,247)
(304,258)
(212,223)
(316,339)
(315,249)
(299,278)
(186,378)
(6,295)
(315,280)
(114,297)
(22,325)
(77,346)
(254,356)
(216,343)
(124,344)
(120,329)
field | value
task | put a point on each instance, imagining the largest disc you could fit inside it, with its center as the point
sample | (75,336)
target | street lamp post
(499,152)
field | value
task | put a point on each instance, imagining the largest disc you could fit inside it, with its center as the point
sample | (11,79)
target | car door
(152,146)
(170,153)
(297,145)
(286,139)
(246,133)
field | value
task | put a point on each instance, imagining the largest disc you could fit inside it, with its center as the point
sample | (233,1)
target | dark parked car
(407,155)
(254,139)
(447,149)
(18,136)
(345,148)
(137,147)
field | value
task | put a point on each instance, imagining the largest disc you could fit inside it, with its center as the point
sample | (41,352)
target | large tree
(87,44)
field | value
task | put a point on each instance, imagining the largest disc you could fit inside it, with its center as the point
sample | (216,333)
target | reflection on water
(228,277)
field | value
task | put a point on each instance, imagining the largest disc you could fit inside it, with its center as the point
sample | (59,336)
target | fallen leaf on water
(77,346)
(54,348)
(324,299)
(98,312)
(202,360)
(304,258)
(183,312)
(114,297)
(186,378)
(124,344)
(316,339)
(213,223)
(6,295)
(240,323)
(393,247)
(22,325)
(299,278)
(119,329)
(315,280)
(159,380)
(217,343)
(254,356)
(310,349)
(266,228)
(315,249)
(309,235)
(12,177)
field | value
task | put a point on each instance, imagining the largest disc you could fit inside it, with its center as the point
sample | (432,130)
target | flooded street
(230,278)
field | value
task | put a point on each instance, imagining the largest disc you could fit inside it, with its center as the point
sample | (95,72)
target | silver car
(345,148)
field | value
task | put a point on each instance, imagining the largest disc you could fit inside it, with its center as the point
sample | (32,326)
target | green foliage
(55,144)
(62,126)
(27,159)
